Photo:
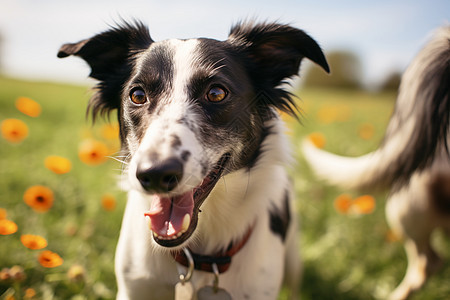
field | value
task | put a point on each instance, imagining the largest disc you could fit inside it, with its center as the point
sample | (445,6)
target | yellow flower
(58,164)
(33,242)
(108,202)
(7,227)
(318,139)
(92,152)
(49,259)
(28,106)
(38,197)
(14,130)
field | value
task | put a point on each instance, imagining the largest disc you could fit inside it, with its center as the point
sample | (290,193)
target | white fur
(145,271)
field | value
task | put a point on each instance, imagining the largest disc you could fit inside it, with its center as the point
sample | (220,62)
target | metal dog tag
(184,291)
(208,293)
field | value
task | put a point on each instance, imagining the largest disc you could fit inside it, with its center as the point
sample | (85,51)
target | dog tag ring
(184,290)
(213,292)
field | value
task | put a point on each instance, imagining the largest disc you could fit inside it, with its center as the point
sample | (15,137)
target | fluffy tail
(418,129)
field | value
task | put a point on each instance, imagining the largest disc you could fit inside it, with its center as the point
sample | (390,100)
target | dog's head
(192,110)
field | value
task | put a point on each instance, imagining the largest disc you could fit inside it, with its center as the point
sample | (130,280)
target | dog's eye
(216,94)
(138,96)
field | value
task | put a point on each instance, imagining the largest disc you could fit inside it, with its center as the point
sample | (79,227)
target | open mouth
(174,219)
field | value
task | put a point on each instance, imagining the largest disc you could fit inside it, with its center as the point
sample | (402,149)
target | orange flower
(317,139)
(29,293)
(366,131)
(327,114)
(29,107)
(14,130)
(343,203)
(92,152)
(10,297)
(7,227)
(49,259)
(17,273)
(108,202)
(58,164)
(364,204)
(33,242)
(3,214)
(110,131)
(39,198)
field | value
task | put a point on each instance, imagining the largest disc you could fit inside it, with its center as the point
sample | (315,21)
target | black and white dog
(206,155)
(413,161)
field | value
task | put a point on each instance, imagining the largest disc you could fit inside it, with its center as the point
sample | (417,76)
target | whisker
(117,159)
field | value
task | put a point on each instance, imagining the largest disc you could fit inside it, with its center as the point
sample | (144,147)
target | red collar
(221,259)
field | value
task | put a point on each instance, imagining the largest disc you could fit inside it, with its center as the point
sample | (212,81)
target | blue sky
(385,34)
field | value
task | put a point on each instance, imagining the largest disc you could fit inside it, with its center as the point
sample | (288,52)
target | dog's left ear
(276,49)
(110,56)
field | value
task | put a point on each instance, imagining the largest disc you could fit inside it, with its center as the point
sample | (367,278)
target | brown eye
(216,94)
(138,96)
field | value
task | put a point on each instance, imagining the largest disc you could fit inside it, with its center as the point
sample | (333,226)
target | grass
(345,257)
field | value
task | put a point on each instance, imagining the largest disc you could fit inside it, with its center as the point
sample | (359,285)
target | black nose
(161,177)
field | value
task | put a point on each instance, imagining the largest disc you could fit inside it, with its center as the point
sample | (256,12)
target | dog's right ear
(110,56)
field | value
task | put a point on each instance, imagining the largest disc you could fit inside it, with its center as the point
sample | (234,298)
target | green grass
(344,257)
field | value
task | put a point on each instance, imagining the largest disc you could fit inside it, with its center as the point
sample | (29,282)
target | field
(346,255)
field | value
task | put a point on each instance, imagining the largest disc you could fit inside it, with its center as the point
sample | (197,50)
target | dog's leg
(410,216)
(293,263)
(422,262)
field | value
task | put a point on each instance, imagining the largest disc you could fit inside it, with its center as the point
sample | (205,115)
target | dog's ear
(277,49)
(110,56)
(275,52)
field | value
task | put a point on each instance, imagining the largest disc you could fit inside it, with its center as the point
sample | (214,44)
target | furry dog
(412,161)
(205,157)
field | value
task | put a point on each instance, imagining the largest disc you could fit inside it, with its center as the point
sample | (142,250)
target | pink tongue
(167,214)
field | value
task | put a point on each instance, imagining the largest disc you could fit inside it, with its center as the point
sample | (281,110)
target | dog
(412,161)
(210,204)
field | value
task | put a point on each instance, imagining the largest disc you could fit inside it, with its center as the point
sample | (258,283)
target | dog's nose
(161,177)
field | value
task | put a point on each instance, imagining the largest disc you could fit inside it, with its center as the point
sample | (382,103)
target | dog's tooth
(186,223)
(149,222)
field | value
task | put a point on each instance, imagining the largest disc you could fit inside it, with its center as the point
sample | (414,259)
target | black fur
(431,106)
(281,218)
(252,64)
(275,52)
(110,56)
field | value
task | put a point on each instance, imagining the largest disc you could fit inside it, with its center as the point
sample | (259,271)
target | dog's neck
(235,202)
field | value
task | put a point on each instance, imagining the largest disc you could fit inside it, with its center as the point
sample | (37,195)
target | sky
(385,34)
